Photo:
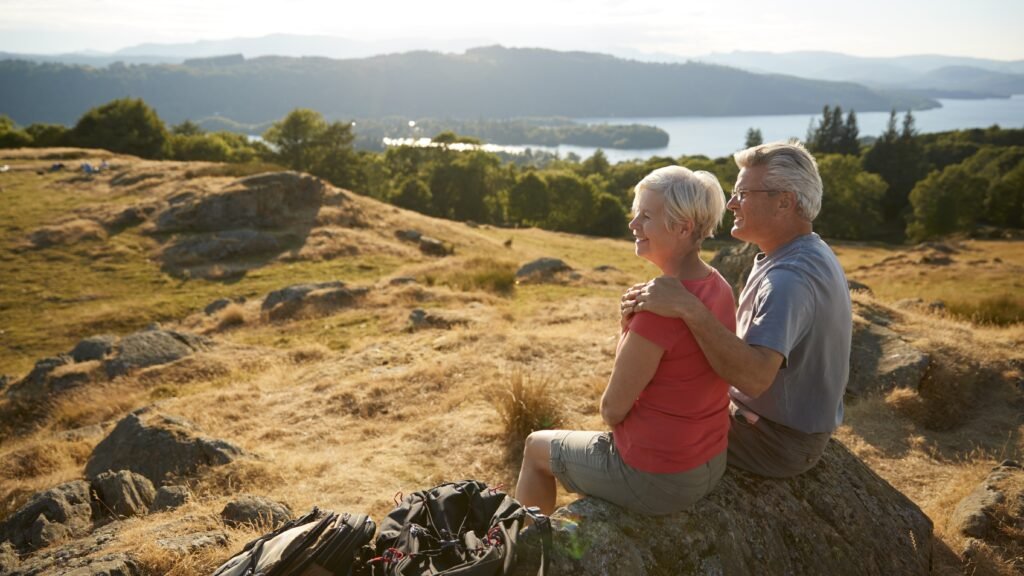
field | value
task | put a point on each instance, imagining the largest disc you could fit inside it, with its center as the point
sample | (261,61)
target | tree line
(901,185)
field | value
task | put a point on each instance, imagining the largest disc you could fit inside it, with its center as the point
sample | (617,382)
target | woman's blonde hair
(689,196)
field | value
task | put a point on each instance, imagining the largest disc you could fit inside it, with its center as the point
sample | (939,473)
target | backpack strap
(543,524)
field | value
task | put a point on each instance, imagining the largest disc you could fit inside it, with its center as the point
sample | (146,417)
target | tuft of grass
(1000,310)
(526,405)
(486,274)
(239,170)
(232,316)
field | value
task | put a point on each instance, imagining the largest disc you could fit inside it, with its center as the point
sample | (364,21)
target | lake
(721,136)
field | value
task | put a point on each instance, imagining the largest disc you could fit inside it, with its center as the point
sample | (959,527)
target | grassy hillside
(347,408)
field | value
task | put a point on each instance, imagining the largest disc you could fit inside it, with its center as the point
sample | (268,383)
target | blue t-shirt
(797,302)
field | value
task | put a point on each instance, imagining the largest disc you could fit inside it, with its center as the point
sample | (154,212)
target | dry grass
(526,404)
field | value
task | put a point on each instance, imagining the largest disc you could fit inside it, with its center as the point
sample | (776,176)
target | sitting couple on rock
(697,381)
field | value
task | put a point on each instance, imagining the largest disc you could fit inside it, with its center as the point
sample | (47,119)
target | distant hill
(930,74)
(491,82)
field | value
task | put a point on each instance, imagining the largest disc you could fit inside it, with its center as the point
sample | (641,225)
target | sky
(979,28)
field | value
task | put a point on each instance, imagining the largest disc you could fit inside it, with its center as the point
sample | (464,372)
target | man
(788,363)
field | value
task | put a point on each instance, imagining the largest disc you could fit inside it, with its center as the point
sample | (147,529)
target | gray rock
(858,287)
(93,348)
(735,262)
(408,235)
(989,504)
(839,518)
(83,556)
(402,280)
(107,565)
(255,510)
(218,246)
(272,200)
(880,360)
(124,493)
(606,268)
(170,497)
(434,247)
(82,433)
(157,446)
(152,347)
(36,384)
(50,517)
(309,298)
(543,267)
(216,306)
(192,543)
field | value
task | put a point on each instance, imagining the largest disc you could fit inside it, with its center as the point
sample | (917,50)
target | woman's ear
(685,227)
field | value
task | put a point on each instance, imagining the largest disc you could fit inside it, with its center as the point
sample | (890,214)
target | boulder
(106,565)
(152,347)
(858,286)
(171,497)
(408,235)
(85,556)
(50,517)
(542,267)
(735,262)
(839,518)
(124,493)
(255,510)
(157,446)
(992,503)
(880,360)
(272,200)
(218,246)
(93,348)
(49,376)
(434,247)
(303,298)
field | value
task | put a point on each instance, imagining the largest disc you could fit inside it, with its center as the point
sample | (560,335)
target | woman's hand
(628,303)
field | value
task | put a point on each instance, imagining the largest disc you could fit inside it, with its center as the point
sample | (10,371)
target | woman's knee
(537,450)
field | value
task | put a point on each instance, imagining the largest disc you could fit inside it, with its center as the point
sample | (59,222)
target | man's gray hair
(789,167)
(694,196)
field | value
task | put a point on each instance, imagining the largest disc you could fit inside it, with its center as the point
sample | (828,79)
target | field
(348,408)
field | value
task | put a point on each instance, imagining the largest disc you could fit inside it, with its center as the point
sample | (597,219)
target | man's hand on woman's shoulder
(664,296)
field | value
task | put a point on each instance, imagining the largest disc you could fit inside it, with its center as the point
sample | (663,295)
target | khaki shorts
(588,463)
(770,449)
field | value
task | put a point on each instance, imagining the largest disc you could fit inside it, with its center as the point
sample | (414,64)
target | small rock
(606,268)
(93,348)
(309,298)
(408,235)
(295,292)
(124,493)
(192,543)
(434,247)
(216,306)
(402,280)
(858,287)
(542,267)
(255,510)
(978,514)
(170,497)
(420,318)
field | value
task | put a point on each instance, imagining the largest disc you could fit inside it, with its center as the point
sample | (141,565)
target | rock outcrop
(301,299)
(734,263)
(170,497)
(157,446)
(152,347)
(50,517)
(998,500)
(542,268)
(124,493)
(880,360)
(839,518)
(255,510)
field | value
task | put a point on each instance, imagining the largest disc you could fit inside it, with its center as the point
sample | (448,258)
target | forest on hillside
(492,82)
(903,185)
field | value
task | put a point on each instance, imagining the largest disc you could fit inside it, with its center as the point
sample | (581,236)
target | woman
(667,409)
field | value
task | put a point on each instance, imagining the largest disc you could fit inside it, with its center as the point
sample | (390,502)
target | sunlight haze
(985,28)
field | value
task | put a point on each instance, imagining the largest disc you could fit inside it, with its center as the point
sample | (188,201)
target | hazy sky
(982,28)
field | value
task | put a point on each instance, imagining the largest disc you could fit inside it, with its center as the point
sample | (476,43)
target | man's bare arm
(751,369)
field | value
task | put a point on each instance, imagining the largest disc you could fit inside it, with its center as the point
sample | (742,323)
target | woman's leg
(536,486)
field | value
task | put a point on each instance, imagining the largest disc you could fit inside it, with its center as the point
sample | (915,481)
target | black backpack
(321,543)
(462,528)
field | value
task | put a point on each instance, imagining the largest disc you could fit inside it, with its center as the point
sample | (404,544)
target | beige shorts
(588,463)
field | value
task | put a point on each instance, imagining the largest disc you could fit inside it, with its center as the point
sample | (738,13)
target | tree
(305,142)
(609,217)
(528,200)
(413,194)
(596,164)
(47,135)
(831,135)
(187,128)
(851,200)
(571,202)
(754,138)
(900,160)
(126,126)
(11,136)
(944,202)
